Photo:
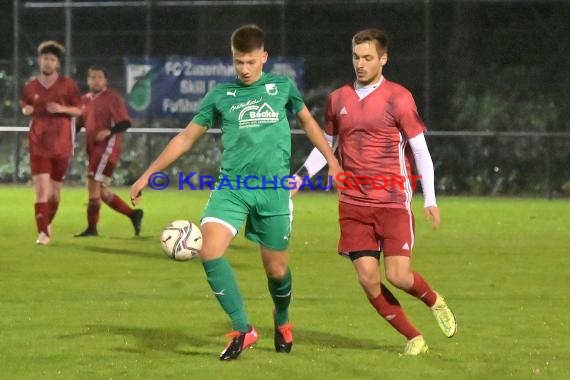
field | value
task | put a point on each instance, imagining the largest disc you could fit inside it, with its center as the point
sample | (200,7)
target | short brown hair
(97,68)
(248,38)
(51,47)
(372,34)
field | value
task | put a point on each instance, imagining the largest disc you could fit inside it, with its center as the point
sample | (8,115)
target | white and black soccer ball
(181,240)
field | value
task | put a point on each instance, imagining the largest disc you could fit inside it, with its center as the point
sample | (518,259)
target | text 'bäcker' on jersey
(255,113)
(373,134)
(256,135)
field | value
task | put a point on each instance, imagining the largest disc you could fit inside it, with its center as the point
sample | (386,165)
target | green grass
(116,307)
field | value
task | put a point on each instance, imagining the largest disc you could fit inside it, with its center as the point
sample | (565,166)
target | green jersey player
(254,117)
(256,141)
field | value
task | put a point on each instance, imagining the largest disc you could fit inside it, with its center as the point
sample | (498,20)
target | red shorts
(100,168)
(364,228)
(55,167)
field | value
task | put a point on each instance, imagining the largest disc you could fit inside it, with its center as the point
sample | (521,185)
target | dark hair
(51,47)
(372,34)
(98,68)
(248,38)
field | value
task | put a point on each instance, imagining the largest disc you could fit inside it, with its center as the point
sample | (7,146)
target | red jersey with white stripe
(372,137)
(102,111)
(50,134)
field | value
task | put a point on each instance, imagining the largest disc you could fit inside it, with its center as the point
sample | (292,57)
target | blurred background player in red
(52,100)
(380,134)
(105,118)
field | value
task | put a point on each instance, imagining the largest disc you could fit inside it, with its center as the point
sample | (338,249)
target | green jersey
(256,136)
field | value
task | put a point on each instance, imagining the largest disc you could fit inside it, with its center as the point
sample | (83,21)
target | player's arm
(179,145)
(313,164)
(72,97)
(413,127)
(118,112)
(53,107)
(316,136)
(27,108)
(79,123)
(119,127)
(424,167)
(315,160)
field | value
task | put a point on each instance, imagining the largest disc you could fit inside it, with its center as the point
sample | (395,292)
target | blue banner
(174,87)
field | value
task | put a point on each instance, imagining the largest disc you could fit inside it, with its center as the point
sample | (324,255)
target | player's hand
(346,180)
(102,135)
(296,181)
(53,107)
(432,213)
(136,190)
(334,170)
(27,110)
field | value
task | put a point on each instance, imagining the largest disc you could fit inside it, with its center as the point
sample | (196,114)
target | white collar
(364,91)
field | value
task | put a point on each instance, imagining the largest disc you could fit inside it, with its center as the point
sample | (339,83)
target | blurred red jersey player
(52,100)
(105,117)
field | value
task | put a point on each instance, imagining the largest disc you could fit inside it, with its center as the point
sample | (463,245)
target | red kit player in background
(380,134)
(104,117)
(52,100)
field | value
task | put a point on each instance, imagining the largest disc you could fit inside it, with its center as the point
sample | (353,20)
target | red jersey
(50,134)
(102,111)
(372,136)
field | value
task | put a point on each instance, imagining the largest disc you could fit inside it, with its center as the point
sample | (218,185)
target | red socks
(389,308)
(53,210)
(422,291)
(118,205)
(93,214)
(42,213)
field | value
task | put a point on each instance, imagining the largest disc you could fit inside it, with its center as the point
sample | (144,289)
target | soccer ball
(181,240)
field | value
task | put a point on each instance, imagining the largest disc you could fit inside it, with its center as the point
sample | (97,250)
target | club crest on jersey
(271,88)
(255,116)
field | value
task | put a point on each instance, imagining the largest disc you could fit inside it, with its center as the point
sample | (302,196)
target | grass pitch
(116,307)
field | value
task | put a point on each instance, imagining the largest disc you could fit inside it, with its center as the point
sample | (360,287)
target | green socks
(224,285)
(281,293)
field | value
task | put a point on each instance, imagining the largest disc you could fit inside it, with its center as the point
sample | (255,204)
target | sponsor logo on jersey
(255,116)
(271,88)
(239,106)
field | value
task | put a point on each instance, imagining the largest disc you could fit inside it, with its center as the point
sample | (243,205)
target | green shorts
(268,214)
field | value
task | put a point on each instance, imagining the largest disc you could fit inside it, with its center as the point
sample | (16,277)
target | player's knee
(277,271)
(106,195)
(369,281)
(53,198)
(398,278)
(42,196)
(210,252)
(94,202)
